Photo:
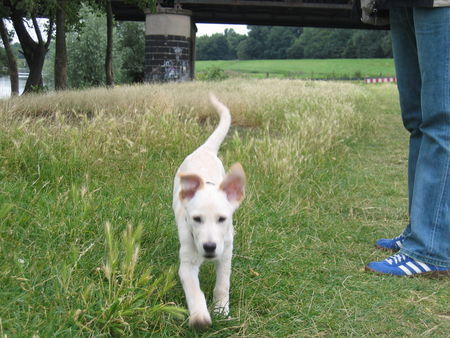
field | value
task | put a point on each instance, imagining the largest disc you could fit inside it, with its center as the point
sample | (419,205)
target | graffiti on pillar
(178,69)
(178,51)
(167,58)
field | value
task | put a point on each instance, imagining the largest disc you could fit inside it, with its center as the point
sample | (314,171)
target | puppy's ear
(233,184)
(190,183)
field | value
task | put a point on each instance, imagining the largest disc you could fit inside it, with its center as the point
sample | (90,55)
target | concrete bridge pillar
(169,45)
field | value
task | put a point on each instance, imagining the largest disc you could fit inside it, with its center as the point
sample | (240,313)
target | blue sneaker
(393,244)
(401,265)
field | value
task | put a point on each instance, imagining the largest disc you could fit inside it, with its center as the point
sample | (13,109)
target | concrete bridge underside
(170,32)
(311,13)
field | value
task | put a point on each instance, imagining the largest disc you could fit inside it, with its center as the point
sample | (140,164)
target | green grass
(88,242)
(305,69)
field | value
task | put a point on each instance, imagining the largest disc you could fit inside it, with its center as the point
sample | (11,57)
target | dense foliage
(86,53)
(62,17)
(265,42)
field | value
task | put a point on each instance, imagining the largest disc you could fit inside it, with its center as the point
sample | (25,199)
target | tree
(249,48)
(60,46)
(214,47)
(317,43)
(86,49)
(11,59)
(369,44)
(131,47)
(3,62)
(266,42)
(296,50)
(67,19)
(256,44)
(109,44)
(278,41)
(106,6)
(34,51)
(233,39)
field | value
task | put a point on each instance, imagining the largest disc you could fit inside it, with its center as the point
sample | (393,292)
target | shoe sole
(385,249)
(430,274)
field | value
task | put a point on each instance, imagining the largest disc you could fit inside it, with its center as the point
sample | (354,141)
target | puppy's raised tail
(216,138)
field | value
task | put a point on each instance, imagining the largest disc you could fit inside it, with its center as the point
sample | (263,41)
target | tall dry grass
(290,121)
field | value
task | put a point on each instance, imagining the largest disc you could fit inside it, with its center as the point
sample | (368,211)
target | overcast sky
(210,29)
(203,29)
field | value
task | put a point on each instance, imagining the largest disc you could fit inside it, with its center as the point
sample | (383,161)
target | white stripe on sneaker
(399,244)
(424,266)
(412,266)
(405,269)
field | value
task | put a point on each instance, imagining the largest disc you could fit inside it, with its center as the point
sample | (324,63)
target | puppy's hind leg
(222,287)
(199,316)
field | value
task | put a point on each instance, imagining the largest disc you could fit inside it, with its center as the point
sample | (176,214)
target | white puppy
(204,200)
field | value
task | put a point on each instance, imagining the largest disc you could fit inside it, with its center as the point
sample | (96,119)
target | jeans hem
(427,260)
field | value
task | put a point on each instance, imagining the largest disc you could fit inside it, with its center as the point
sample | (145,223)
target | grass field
(305,69)
(88,243)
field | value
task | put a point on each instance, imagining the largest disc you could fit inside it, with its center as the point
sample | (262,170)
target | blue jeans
(421,45)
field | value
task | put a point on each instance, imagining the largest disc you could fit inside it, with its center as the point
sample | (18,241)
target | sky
(210,29)
(202,29)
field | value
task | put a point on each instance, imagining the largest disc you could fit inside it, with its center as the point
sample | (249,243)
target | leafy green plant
(124,295)
(357,74)
(212,74)
(39,89)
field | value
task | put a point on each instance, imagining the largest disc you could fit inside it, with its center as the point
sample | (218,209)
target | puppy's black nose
(209,247)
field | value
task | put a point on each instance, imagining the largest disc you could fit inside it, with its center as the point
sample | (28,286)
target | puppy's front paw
(200,321)
(222,308)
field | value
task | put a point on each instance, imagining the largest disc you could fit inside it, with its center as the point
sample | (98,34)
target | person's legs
(409,85)
(421,43)
(429,236)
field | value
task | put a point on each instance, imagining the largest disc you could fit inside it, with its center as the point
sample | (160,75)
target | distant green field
(311,69)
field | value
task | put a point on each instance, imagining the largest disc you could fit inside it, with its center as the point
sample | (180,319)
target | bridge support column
(169,45)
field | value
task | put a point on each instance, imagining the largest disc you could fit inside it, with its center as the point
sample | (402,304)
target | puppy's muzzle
(210,249)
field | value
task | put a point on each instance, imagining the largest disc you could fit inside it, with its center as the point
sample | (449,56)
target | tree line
(266,42)
(64,16)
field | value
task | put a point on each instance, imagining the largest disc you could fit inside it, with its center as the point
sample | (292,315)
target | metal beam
(309,13)
(280,4)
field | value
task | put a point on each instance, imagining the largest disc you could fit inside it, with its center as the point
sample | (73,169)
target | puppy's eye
(197,219)
(221,219)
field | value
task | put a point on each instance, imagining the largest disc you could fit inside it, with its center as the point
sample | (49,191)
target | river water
(5,84)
